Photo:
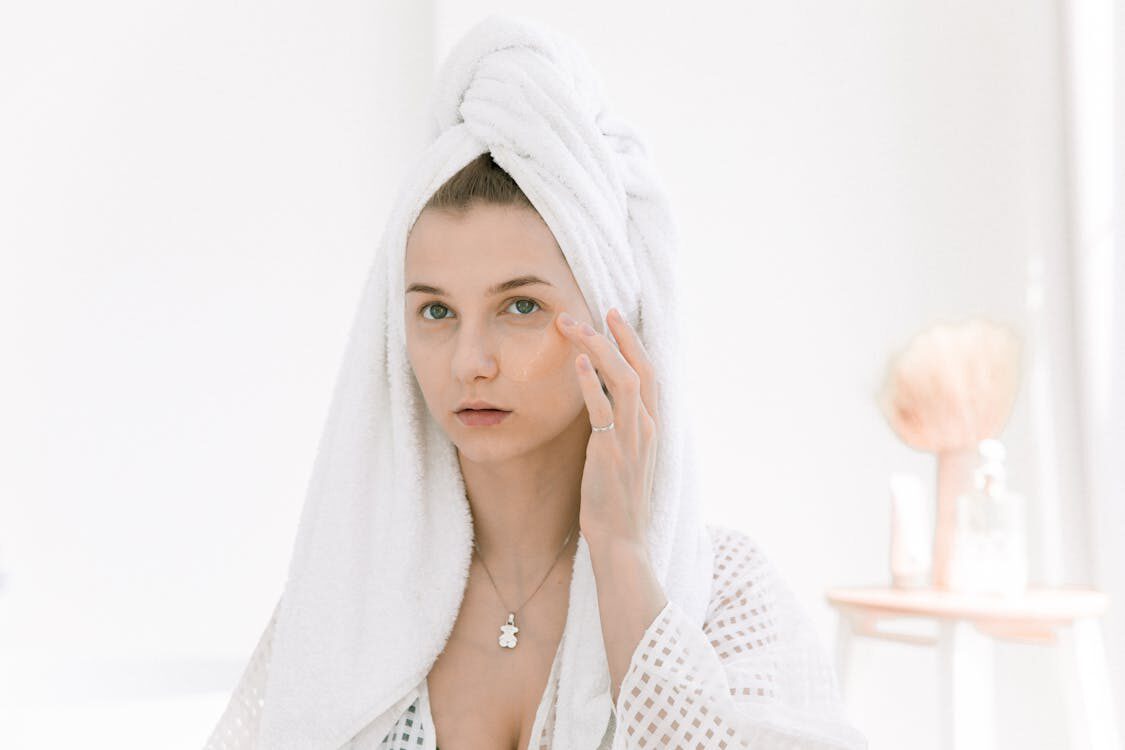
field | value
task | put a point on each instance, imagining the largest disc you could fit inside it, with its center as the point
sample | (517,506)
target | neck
(524,508)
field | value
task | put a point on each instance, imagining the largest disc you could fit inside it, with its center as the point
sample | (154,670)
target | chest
(480,694)
(483,723)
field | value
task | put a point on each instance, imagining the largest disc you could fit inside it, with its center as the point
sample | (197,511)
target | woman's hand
(620,463)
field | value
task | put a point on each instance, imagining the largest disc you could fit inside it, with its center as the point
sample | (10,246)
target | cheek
(427,365)
(536,354)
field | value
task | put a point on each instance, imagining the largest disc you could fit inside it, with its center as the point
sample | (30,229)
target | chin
(486,450)
(494,443)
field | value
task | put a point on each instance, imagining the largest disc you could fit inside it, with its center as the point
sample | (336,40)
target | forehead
(486,238)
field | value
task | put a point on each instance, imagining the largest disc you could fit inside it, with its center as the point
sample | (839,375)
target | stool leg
(1088,694)
(967,691)
(845,636)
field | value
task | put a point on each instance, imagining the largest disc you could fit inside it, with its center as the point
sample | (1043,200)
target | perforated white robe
(755,676)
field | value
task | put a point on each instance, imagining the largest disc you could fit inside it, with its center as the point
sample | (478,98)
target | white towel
(383,550)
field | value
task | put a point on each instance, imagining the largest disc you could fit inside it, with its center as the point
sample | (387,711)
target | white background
(191,194)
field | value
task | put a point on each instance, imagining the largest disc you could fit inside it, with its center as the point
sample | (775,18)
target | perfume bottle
(989,553)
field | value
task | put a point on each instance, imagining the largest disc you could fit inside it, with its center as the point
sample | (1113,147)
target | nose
(474,355)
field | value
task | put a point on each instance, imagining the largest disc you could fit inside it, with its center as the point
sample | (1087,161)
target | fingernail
(587,329)
(566,319)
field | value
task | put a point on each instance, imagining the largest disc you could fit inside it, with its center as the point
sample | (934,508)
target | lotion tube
(910,532)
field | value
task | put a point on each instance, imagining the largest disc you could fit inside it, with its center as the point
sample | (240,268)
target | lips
(479,406)
(482,417)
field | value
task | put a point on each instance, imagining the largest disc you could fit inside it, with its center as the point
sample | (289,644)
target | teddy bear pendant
(508,632)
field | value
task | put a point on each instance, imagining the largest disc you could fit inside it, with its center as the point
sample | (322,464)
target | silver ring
(603,429)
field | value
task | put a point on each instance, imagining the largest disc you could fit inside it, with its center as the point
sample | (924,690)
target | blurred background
(191,194)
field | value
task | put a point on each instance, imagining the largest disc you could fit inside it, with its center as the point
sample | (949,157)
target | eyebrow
(500,288)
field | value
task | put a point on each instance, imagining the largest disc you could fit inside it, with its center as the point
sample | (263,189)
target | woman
(501,545)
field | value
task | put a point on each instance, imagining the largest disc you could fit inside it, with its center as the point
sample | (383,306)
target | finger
(633,349)
(620,377)
(597,404)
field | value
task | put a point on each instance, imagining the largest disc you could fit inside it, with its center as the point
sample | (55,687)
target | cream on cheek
(530,354)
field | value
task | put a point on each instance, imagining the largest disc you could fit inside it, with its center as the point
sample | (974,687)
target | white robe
(755,676)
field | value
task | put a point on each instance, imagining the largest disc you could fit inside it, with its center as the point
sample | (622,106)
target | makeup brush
(952,386)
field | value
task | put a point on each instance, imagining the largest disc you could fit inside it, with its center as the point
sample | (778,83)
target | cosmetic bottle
(910,532)
(989,553)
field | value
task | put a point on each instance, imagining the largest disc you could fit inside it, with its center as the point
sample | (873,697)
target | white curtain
(1093,44)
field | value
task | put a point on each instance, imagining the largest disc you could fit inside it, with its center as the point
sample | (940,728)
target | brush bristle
(953,385)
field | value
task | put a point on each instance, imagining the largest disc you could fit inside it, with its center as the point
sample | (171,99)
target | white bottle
(989,553)
(911,532)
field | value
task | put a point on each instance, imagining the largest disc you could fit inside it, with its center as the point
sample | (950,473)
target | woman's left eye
(529,301)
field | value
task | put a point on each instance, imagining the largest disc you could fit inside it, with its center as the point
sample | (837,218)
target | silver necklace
(508,630)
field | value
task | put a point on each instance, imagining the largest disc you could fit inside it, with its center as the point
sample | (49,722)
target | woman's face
(471,337)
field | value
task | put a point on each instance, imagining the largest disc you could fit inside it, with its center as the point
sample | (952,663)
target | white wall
(191,194)
(203,188)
